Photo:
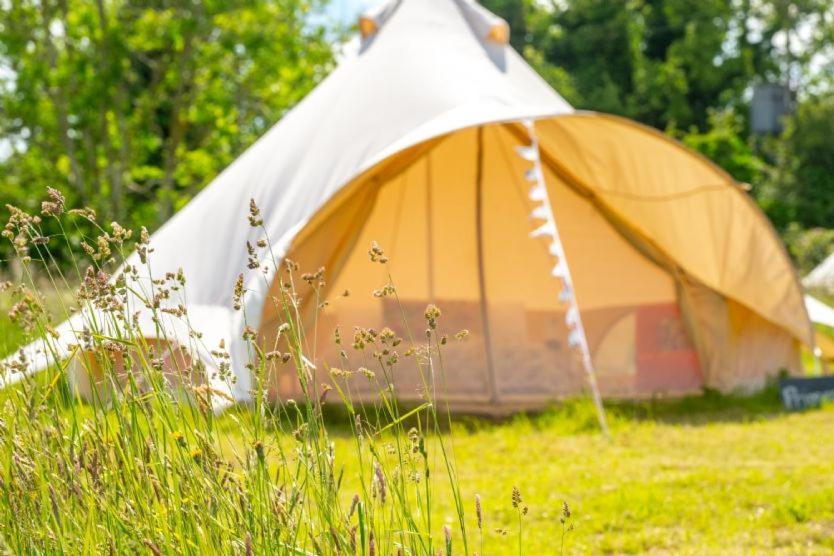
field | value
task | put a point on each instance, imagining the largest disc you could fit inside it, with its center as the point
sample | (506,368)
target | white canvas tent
(822,276)
(410,142)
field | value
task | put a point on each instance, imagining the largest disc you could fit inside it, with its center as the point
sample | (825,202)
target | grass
(716,474)
(719,475)
(143,470)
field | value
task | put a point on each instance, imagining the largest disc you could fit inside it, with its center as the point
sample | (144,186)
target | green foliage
(136,105)
(808,247)
(722,143)
(805,166)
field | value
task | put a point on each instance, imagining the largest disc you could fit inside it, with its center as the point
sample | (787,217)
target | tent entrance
(455,224)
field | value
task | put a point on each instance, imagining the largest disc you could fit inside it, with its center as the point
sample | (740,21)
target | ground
(715,480)
(705,475)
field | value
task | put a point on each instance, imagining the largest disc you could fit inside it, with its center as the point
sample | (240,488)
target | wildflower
(516,497)
(86,212)
(325,388)
(255,219)
(380,481)
(55,205)
(311,277)
(258,446)
(385,291)
(387,335)
(152,547)
(462,335)
(290,265)
(120,234)
(336,372)
(367,373)
(565,512)
(253,262)
(432,314)
(353,506)
(179,438)
(377,254)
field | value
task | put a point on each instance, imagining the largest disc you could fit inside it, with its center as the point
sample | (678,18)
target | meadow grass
(140,468)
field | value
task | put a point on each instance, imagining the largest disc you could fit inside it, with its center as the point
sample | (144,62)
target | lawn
(717,475)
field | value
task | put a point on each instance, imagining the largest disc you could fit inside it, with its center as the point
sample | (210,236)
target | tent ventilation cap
(372,20)
(486,25)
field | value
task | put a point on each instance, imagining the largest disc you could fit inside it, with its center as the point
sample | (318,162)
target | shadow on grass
(578,415)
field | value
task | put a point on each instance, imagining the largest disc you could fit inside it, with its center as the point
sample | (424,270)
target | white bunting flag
(575,339)
(543,210)
(533,175)
(546,229)
(538,193)
(541,213)
(529,153)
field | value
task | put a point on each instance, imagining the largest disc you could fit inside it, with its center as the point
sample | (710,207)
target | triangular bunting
(538,193)
(546,229)
(541,212)
(529,153)
(534,174)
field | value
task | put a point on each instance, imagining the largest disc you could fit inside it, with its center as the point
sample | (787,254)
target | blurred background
(131,107)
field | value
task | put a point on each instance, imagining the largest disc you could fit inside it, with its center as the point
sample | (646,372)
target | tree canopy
(133,105)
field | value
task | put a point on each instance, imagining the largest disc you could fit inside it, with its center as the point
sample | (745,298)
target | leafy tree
(134,105)
(723,143)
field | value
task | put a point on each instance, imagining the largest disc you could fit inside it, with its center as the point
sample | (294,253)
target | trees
(133,105)
(688,67)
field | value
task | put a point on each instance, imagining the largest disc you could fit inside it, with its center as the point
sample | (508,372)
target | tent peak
(487,26)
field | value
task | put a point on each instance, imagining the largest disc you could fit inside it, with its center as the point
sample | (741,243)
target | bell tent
(414,141)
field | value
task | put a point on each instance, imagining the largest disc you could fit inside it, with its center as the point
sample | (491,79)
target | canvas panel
(426,219)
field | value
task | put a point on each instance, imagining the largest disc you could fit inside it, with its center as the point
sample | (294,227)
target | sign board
(770,104)
(802,393)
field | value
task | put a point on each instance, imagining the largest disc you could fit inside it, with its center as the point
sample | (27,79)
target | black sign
(802,393)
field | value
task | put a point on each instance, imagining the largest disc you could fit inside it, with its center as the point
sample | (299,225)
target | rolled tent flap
(686,207)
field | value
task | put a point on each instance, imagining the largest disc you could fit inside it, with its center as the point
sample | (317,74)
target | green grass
(707,474)
(716,474)
(144,470)
(712,474)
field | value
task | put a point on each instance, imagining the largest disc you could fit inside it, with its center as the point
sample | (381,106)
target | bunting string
(547,229)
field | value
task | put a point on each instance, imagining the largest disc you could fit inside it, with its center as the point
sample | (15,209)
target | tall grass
(141,464)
